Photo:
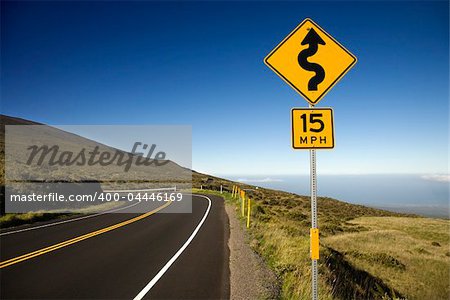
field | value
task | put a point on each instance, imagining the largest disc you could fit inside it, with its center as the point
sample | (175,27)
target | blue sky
(201,64)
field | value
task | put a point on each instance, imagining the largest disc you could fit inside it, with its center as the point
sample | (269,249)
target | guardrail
(238,193)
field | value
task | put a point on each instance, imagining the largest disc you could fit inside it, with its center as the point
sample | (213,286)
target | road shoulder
(250,278)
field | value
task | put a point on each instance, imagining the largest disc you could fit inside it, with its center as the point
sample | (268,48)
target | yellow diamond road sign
(310,61)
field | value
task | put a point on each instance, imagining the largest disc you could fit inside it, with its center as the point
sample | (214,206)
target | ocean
(423,195)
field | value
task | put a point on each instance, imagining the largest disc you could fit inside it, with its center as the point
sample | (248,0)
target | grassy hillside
(109,175)
(411,255)
(22,176)
(366,253)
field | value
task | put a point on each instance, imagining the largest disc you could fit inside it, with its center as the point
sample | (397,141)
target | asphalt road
(160,256)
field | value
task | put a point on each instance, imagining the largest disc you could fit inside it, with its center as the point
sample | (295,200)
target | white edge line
(89,216)
(166,267)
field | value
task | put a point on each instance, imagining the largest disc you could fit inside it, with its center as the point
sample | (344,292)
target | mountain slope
(366,253)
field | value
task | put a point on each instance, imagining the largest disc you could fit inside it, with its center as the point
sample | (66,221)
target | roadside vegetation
(11,220)
(17,219)
(411,255)
(366,253)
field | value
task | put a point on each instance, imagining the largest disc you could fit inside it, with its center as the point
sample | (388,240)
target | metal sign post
(312,154)
(312,76)
(313,180)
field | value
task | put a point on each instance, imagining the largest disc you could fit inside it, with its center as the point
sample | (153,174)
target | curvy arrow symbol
(313,40)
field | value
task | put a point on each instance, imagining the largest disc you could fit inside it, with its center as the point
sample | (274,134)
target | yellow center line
(42,251)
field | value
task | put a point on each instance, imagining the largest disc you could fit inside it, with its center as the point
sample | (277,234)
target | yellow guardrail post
(248,211)
(243,204)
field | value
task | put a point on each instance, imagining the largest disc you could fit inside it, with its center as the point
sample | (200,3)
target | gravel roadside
(250,277)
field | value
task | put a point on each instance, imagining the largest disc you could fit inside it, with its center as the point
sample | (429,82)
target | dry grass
(10,220)
(16,219)
(410,254)
(289,256)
